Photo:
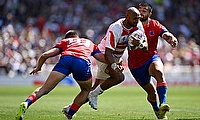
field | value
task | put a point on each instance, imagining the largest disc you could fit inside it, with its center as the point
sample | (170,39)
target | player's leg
(90,96)
(144,80)
(93,95)
(102,75)
(53,79)
(97,82)
(152,95)
(81,70)
(156,70)
(80,99)
(160,111)
(96,90)
(114,79)
(51,82)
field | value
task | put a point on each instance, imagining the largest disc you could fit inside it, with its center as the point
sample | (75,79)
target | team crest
(124,38)
(151,33)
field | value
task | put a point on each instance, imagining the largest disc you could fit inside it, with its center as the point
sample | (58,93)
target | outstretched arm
(169,37)
(50,53)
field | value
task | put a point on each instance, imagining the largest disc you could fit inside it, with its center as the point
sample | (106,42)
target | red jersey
(152,30)
(78,47)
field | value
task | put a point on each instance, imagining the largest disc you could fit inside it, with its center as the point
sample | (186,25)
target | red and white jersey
(116,37)
(78,47)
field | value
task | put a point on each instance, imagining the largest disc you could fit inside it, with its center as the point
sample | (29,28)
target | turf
(118,103)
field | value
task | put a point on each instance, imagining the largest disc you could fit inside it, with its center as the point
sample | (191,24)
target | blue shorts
(141,73)
(80,68)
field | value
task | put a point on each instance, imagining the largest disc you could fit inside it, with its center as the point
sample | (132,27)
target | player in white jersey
(113,46)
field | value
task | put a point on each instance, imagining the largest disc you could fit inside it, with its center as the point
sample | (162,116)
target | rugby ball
(140,36)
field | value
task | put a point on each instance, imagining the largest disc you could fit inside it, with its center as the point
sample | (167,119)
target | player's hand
(117,67)
(34,71)
(133,41)
(171,39)
(174,42)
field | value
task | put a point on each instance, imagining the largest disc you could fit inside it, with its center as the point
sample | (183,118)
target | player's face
(133,19)
(144,12)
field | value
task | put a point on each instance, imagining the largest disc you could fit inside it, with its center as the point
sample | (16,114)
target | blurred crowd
(30,27)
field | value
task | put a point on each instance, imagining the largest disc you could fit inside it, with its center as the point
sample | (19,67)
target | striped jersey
(116,37)
(78,47)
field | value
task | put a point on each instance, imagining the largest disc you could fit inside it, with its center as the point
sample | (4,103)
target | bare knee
(122,77)
(159,76)
(156,70)
(158,73)
(119,78)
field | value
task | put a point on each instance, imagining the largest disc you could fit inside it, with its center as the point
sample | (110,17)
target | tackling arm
(50,53)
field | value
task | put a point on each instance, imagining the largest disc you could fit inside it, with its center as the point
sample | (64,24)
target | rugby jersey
(78,47)
(116,37)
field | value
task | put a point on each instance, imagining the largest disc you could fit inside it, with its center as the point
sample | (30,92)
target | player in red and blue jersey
(143,65)
(75,53)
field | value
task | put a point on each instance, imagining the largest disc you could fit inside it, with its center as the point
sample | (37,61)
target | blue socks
(162,91)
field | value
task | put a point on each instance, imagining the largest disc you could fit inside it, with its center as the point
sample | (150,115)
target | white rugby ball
(140,36)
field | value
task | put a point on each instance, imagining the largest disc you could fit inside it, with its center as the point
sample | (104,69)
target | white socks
(97,91)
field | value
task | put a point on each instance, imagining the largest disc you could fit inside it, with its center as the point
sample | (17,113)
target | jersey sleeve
(160,28)
(61,45)
(95,50)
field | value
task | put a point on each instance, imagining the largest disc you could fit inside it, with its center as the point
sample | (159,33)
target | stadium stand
(28,28)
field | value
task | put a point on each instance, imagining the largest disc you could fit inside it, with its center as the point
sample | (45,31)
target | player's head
(71,34)
(145,10)
(132,17)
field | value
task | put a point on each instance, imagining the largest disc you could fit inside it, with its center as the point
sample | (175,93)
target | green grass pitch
(118,103)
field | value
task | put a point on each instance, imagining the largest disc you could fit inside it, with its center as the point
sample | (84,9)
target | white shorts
(101,71)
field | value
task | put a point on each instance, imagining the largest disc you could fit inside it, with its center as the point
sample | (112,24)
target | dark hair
(71,33)
(146,5)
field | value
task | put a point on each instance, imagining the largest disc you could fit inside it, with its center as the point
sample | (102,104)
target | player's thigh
(81,69)
(102,72)
(155,68)
(53,79)
(85,85)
